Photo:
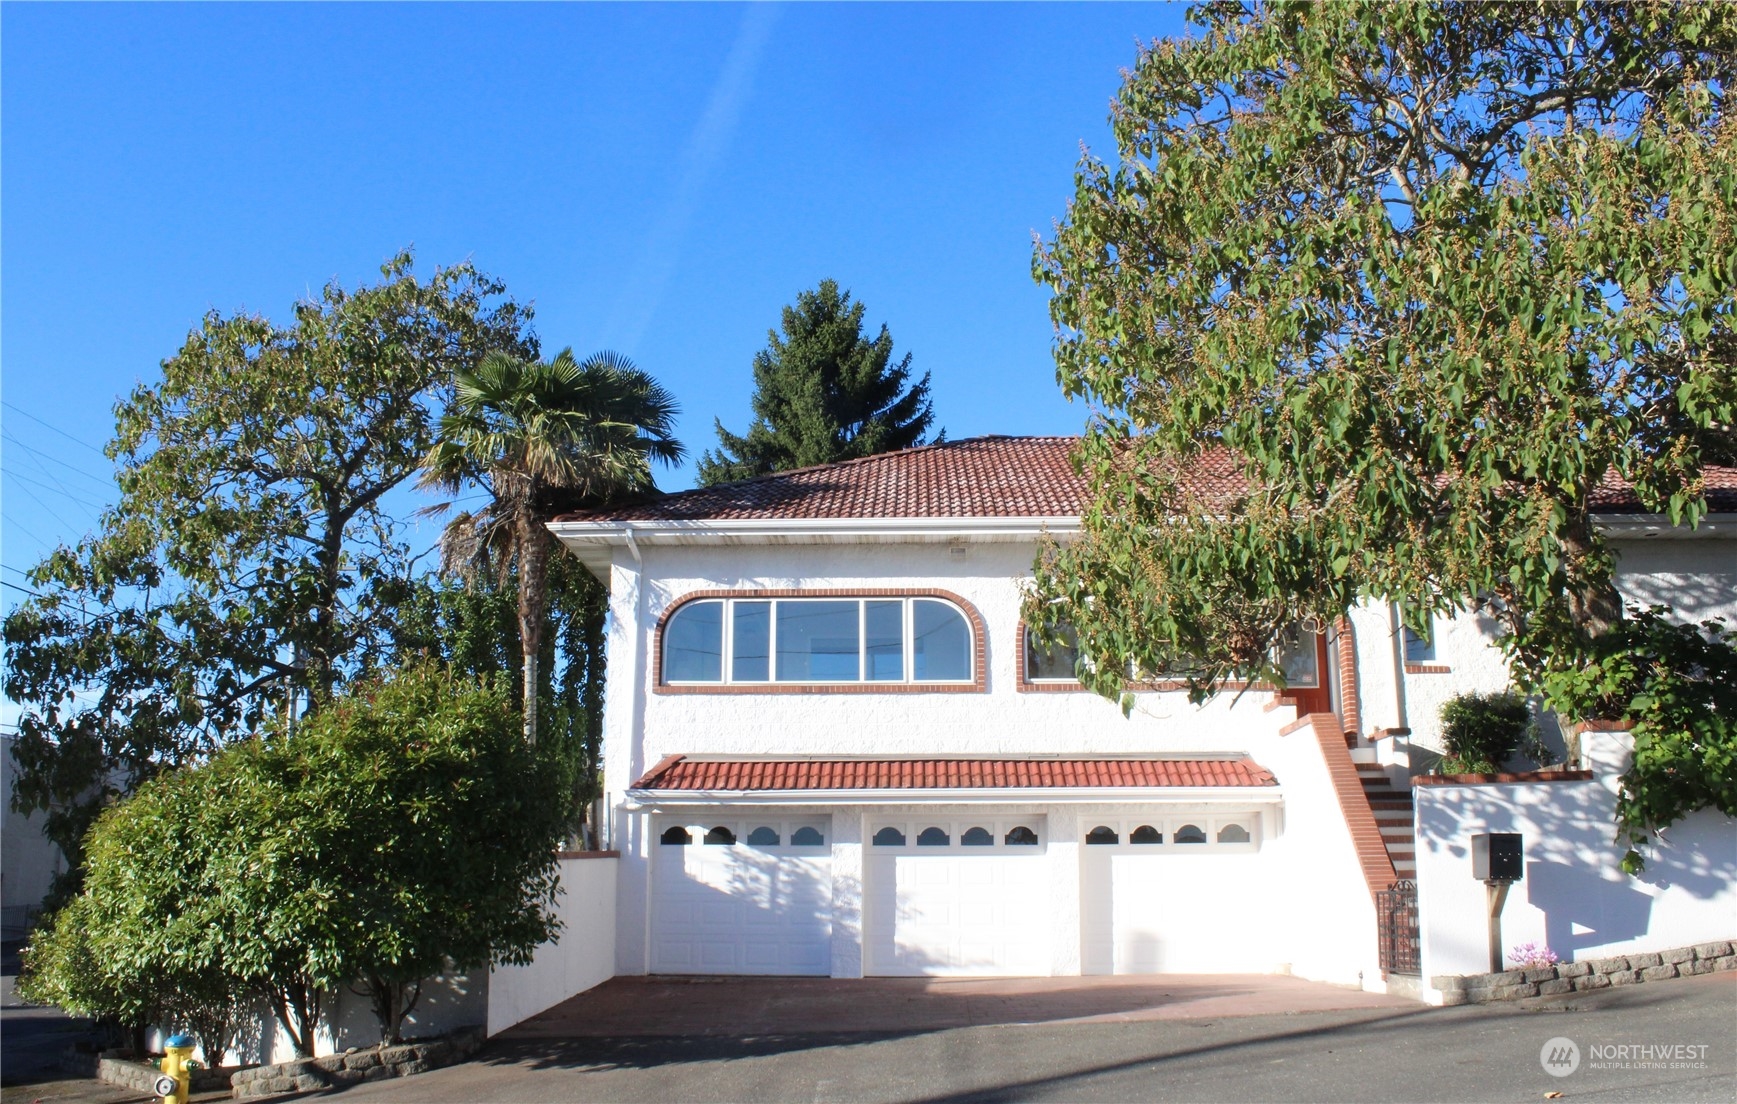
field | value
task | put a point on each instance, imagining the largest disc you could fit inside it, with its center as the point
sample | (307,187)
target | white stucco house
(828,749)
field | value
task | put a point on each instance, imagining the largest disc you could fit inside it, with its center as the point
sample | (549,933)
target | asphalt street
(1490,1053)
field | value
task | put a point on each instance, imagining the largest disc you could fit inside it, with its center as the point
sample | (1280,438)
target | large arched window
(825,640)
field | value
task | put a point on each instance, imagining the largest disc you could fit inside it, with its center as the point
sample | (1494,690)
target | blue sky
(657,179)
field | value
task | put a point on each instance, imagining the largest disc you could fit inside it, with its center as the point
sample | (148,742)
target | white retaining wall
(583,955)
(1574,897)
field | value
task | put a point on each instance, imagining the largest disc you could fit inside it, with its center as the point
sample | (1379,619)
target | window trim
(1166,824)
(977,683)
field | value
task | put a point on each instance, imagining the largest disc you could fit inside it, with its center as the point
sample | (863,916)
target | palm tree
(540,438)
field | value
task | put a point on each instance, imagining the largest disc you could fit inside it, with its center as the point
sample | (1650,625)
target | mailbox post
(1497,861)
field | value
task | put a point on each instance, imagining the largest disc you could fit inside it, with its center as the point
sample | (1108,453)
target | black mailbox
(1496,857)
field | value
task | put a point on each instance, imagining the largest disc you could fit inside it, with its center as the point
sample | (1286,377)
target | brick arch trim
(979,645)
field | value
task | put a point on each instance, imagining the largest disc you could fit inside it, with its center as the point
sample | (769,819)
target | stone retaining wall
(372,1064)
(118,1068)
(1595,973)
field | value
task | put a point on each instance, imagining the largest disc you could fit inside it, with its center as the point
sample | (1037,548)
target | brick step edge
(372,1064)
(1594,973)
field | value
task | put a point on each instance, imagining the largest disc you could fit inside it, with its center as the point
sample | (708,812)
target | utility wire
(50,510)
(105,480)
(60,490)
(55,428)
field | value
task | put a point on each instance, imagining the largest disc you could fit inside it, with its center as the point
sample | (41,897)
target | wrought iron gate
(1396,919)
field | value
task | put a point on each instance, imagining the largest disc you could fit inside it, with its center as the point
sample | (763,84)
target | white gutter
(1657,525)
(631,533)
(658,532)
(976,795)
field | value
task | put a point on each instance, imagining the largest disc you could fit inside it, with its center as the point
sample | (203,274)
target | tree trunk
(1594,601)
(533,610)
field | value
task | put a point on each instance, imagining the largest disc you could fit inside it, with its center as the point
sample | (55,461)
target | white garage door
(1176,895)
(741,897)
(964,898)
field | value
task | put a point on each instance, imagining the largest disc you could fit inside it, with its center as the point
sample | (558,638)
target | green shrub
(1481,732)
(404,829)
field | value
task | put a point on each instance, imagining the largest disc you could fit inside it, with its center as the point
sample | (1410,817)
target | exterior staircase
(1394,815)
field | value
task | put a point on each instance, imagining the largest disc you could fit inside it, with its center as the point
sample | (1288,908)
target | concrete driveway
(1344,1056)
(718,1006)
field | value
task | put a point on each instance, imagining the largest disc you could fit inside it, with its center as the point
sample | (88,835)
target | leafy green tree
(823,392)
(401,831)
(146,941)
(1676,685)
(413,831)
(1431,275)
(250,564)
(470,625)
(540,438)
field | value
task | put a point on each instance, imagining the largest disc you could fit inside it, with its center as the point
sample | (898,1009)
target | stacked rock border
(372,1064)
(1594,973)
(119,1067)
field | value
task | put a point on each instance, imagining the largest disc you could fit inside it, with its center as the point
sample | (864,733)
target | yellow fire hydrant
(176,1083)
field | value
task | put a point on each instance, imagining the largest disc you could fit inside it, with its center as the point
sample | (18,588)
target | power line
(106,480)
(57,429)
(61,490)
(26,531)
(50,510)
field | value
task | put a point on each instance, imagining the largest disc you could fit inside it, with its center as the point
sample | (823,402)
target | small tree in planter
(1481,732)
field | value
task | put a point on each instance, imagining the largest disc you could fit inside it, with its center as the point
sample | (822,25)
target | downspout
(1397,634)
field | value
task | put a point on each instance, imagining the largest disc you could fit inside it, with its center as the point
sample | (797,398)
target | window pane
(763,837)
(1056,663)
(817,641)
(720,836)
(933,837)
(1298,659)
(1102,834)
(1021,837)
(1146,834)
(1233,833)
(693,644)
(750,645)
(889,837)
(1189,833)
(807,837)
(676,837)
(977,837)
(1419,648)
(941,648)
(886,641)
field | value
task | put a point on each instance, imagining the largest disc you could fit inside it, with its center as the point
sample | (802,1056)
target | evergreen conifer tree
(823,393)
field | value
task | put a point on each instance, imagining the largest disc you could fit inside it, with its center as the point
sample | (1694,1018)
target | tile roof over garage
(748,775)
(980,477)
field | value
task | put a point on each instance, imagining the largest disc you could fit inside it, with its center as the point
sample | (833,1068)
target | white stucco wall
(582,956)
(1308,863)
(1574,898)
(1694,573)
(28,861)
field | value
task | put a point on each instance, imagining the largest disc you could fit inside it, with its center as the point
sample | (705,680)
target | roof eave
(976,795)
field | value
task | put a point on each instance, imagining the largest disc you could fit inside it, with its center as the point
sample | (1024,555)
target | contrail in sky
(643,290)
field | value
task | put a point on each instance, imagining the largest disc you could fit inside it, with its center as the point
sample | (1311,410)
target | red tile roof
(981,477)
(681,773)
